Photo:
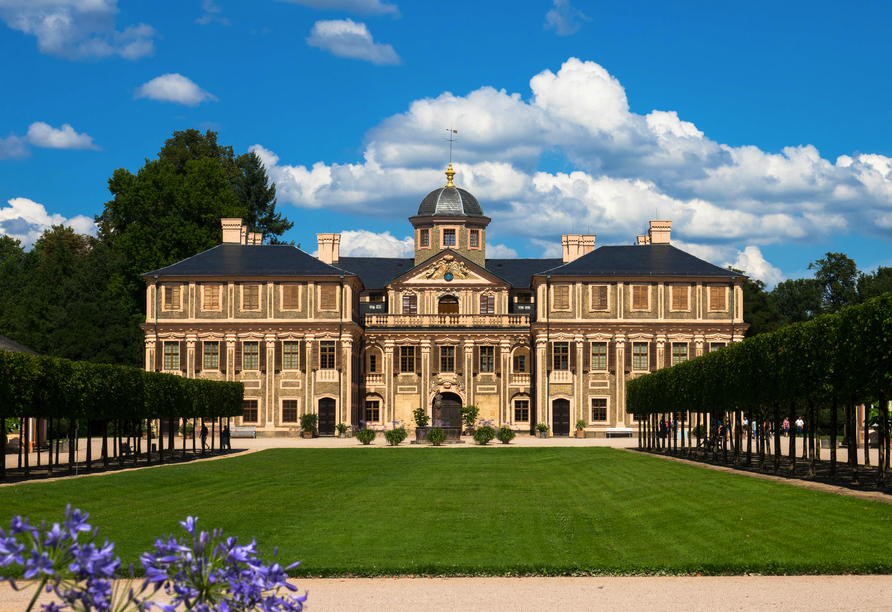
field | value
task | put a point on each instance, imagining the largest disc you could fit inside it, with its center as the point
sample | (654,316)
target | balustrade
(446,320)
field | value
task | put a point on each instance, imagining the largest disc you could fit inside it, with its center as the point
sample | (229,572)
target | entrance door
(561,412)
(447,305)
(450,410)
(326,416)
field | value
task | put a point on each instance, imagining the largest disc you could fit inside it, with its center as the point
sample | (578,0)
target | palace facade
(367,339)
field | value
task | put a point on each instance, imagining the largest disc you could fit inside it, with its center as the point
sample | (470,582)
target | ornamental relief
(447,269)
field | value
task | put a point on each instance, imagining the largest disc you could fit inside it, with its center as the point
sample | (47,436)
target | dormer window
(449,237)
(474,239)
(425,238)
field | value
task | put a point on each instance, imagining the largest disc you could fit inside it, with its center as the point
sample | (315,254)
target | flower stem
(36,594)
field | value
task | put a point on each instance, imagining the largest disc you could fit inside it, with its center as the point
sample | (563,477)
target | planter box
(542,434)
(306,435)
(580,433)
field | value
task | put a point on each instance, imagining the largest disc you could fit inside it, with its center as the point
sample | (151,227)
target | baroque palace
(371,339)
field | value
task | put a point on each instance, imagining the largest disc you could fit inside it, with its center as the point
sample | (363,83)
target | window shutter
(653,356)
(184,357)
(549,360)
(159,355)
(611,355)
(316,354)
(261,352)
(238,357)
(668,357)
(302,355)
(417,350)
(628,356)
(223,355)
(571,346)
(497,359)
(459,359)
(586,356)
(199,356)
(278,355)
(475,367)
(338,356)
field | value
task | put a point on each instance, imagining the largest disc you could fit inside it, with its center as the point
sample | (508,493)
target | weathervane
(449,172)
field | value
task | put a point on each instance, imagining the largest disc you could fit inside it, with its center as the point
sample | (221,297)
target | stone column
(389,389)
(620,378)
(581,407)
(424,386)
(230,356)
(469,371)
(270,394)
(150,353)
(698,345)
(505,356)
(542,412)
(661,351)
(190,355)
(347,378)
(310,392)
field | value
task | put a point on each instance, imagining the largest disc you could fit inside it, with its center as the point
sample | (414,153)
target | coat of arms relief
(447,269)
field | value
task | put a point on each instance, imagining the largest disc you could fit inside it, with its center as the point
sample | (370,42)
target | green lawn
(482,511)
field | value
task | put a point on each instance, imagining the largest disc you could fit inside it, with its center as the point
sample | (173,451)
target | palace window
(524,298)
(250,297)
(474,240)
(410,303)
(290,355)
(211,355)
(679,352)
(290,297)
(599,409)
(171,355)
(561,356)
(599,355)
(211,294)
(717,298)
(640,297)
(639,355)
(447,359)
(289,411)
(487,358)
(328,297)
(376,297)
(561,297)
(372,367)
(425,238)
(714,346)
(521,411)
(599,297)
(680,297)
(327,355)
(449,237)
(171,298)
(407,359)
(372,412)
(249,406)
(520,364)
(251,355)
(487,304)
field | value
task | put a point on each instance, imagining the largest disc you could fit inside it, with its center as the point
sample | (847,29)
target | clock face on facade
(448,276)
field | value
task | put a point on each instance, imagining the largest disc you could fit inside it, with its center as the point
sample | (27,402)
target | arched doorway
(450,410)
(560,412)
(448,304)
(327,416)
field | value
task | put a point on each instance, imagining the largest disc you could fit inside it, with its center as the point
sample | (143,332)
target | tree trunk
(49,441)
(105,444)
(834,425)
(184,439)
(71,438)
(120,428)
(26,434)
(749,442)
(148,441)
(21,440)
(866,430)
(777,438)
(193,438)
(812,432)
(792,438)
(36,440)
(171,437)
(853,441)
(883,439)
(160,440)
(2,447)
(89,445)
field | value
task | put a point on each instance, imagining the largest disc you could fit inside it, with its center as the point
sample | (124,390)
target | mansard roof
(241,260)
(377,272)
(639,260)
(519,272)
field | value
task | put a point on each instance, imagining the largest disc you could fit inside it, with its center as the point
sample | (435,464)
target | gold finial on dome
(449,174)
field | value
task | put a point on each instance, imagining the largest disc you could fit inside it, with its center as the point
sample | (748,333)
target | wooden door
(561,413)
(327,417)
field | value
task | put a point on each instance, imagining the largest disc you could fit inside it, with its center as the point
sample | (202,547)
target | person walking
(799,425)
(786,427)
(204,436)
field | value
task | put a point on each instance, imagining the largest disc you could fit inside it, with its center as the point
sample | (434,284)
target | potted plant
(484,434)
(395,436)
(342,428)
(580,428)
(505,434)
(436,436)
(366,435)
(542,430)
(469,416)
(308,424)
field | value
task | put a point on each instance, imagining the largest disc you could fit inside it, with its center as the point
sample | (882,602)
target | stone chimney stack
(232,231)
(329,247)
(658,233)
(576,245)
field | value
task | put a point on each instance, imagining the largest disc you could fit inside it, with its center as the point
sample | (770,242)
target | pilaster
(270,395)
(620,379)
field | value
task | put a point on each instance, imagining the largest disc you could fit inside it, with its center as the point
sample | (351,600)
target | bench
(244,431)
(619,432)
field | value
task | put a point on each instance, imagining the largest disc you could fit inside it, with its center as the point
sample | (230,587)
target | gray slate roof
(14,347)
(519,272)
(639,260)
(376,272)
(450,202)
(250,260)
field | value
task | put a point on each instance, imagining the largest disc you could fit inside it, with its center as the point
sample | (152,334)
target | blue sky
(761,129)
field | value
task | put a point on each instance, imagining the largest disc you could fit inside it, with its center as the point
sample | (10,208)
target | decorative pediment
(449,269)
(599,337)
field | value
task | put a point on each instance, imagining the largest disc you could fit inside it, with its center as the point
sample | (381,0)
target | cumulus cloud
(173,88)
(78,29)
(41,134)
(12,146)
(750,260)
(500,251)
(26,220)
(626,168)
(211,14)
(362,7)
(363,243)
(564,19)
(346,38)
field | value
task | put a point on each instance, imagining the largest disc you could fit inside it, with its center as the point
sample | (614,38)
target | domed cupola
(450,218)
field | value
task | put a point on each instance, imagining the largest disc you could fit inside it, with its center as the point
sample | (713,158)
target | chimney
(645,239)
(329,247)
(254,238)
(659,232)
(575,246)
(232,231)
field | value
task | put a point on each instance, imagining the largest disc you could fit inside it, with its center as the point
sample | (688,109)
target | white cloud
(750,260)
(12,146)
(41,134)
(362,7)
(77,29)
(500,251)
(363,243)
(211,14)
(26,220)
(173,88)
(347,38)
(627,168)
(564,19)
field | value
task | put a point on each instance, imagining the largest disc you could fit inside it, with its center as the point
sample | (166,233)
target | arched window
(448,305)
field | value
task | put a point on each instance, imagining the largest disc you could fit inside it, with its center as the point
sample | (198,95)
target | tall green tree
(758,308)
(874,284)
(258,196)
(798,299)
(838,277)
